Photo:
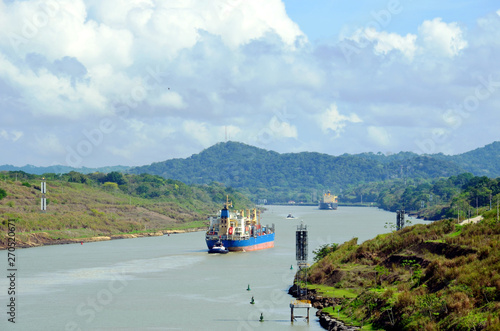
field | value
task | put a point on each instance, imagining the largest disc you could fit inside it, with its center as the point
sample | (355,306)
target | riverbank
(320,302)
(438,276)
(27,240)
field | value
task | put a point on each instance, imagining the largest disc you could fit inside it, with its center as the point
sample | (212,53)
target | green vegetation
(324,250)
(82,206)
(440,276)
(303,177)
(463,195)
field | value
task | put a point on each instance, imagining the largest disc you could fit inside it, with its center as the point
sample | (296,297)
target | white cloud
(379,135)
(281,129)
(332,120)
(440,38)
(48,144)
(166,27)
(434,38)
(48,94)
(169,100)
(235,64)
(12,135)
(200,132)
(386,42)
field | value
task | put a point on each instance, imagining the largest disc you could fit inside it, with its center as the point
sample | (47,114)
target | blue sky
(322,20)
(98,83)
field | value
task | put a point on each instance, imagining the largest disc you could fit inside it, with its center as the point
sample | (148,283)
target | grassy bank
(440,276)
(82,210)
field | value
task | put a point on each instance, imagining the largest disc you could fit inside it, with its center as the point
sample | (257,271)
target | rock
(329,323)
(317,305)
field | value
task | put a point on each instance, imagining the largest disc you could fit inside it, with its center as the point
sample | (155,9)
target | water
(170,282)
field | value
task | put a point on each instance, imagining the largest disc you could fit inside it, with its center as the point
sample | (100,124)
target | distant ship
(328,201)
(238,232)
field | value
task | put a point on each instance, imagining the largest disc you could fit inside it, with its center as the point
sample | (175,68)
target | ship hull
(328,205)
(239,245)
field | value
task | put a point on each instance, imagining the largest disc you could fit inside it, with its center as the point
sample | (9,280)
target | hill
(302,176)
(441,276)
(60,169)
(106,206)
(432,199)
(483,161)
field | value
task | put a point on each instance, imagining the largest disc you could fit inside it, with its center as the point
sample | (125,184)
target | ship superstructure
(239,230)
(328,201)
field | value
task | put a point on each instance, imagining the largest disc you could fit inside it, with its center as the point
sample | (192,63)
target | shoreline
(319,302)
(42,239)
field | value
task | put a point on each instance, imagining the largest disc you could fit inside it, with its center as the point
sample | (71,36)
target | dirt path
(472,220)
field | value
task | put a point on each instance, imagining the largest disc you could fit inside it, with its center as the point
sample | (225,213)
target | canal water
(170,282)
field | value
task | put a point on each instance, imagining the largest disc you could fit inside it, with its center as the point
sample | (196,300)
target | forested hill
(484,161)
(60,169)
(258,170)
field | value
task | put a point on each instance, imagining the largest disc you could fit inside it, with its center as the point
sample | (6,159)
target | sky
(101,83)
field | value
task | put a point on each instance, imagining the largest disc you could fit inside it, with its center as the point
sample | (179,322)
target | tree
(76,177)
(110,186)
(324,250)
(3,193)
(115,177)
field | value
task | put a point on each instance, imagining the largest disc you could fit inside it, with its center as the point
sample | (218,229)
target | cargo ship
(239,230)
(328,201)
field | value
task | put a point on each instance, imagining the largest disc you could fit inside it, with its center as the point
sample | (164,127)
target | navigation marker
(43,202)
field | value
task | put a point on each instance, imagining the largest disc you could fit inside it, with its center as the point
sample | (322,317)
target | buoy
(248,288)
(252,302)
(81,242)
(291,267)
(261,318)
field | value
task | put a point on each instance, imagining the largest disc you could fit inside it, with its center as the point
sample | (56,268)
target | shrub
(324,250)
(110,186)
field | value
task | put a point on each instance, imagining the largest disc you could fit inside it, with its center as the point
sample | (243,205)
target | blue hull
(250,244)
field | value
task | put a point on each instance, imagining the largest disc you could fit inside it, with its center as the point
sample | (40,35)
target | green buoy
(291,267)
(261,318)
(252,302)
(248,288)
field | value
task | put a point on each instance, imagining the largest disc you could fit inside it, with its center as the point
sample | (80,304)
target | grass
(329,291)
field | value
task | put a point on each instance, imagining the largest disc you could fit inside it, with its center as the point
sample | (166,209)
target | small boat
(290,216)
(218,247)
